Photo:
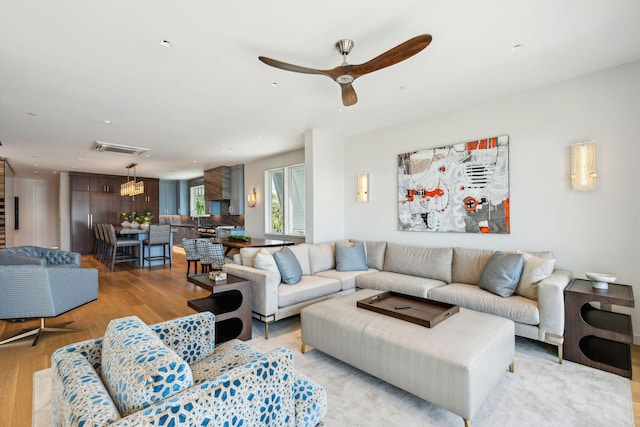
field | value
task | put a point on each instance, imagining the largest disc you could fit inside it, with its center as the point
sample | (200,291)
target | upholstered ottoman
(454,365)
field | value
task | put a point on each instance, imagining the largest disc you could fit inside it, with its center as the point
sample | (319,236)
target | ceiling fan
(346,73)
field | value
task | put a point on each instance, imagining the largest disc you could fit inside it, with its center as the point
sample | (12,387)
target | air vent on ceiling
(117,148)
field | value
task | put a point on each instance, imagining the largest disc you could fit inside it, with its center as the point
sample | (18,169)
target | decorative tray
(421,311)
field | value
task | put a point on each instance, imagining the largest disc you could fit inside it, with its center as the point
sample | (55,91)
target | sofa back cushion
(322,257)
(301,251)
(375,254)
(468,264)
(432,263)
(137,368)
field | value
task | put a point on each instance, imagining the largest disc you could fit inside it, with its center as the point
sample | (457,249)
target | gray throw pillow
(351,257)
(290,269)
(501,274)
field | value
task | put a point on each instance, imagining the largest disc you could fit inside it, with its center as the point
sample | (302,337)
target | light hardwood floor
(154,296)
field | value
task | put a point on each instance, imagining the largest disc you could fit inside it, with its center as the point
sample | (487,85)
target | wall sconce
(363,187)
(252,198)
(583,166)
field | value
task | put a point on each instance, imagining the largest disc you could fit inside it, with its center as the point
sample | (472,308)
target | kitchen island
(140,234)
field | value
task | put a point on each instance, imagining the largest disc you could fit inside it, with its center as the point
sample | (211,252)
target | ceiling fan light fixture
(344,79)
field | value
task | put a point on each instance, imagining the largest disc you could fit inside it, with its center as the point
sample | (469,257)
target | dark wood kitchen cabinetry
(217,183)
(94,199)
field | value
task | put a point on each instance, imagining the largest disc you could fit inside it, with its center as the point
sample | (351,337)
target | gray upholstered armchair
(36,255)
(34,291)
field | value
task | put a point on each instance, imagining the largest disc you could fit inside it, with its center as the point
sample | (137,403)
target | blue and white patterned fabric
(235,385)
(137,368)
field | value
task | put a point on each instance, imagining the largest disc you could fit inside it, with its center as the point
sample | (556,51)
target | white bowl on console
(600,280)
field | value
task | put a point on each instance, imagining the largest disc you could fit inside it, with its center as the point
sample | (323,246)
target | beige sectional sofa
(448,275)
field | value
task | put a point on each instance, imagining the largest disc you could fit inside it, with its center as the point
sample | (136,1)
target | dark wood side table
(596,337)
(230,301)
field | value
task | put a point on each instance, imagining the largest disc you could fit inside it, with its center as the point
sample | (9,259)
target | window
(196,201)
(286,213)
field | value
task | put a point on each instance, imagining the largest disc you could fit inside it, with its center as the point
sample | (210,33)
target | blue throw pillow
(290,269)
(501,274)
(351,258)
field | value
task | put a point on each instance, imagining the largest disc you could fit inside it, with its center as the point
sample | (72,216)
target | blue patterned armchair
(170,374)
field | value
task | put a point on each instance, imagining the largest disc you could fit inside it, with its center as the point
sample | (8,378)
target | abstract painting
(460,188)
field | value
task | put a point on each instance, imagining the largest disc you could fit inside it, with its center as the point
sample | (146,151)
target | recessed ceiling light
(195,161)
(165,43)
(36,171)
(108,122)
(516,47)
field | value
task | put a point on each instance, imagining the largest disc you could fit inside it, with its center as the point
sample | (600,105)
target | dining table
(230,244)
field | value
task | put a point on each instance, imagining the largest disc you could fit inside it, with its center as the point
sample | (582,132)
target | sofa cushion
(288,265)
(432,263)
(137,368)
(347,278)
(8,258)
(301,251)
(468,264)
(534,270)
(351,257)
(83,400)
(375,253)
(322,257)
(247,255)
(517,308)
(397,282)
(309,287)
(264,260)
(502,273)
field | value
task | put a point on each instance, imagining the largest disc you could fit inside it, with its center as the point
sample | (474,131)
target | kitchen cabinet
(94,199)
(217,183)
(168,197)
(236,202)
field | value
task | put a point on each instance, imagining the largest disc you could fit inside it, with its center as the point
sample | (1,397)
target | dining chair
(158,235)
(123,249)
(191,253)
(211,255)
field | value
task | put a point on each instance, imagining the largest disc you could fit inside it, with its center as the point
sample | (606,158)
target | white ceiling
(66,66)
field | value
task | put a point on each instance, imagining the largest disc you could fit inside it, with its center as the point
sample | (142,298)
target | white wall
(254,219)
(324,159)
(588,231)
(38,212)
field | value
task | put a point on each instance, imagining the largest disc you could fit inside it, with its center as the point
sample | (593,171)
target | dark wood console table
(596,337)
(230,301)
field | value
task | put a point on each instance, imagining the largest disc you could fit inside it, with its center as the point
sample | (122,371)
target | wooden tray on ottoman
(421,311)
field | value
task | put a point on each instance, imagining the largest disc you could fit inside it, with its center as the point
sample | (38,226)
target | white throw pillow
(535,269)
(265,261)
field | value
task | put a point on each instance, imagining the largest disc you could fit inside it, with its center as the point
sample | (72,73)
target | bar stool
(158,235)
(191,253)
(121,250)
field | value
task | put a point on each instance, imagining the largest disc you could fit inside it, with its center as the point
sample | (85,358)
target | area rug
(540,392)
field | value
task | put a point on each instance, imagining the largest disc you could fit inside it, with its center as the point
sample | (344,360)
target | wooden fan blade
(349,96)
(392,56)
(291,67)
